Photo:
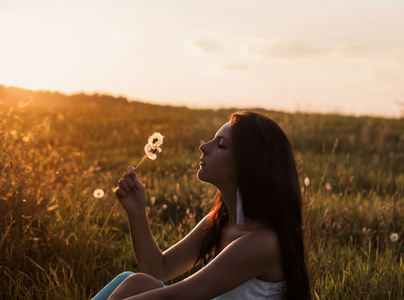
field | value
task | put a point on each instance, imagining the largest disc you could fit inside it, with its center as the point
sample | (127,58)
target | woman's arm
(163,266)
(245,258)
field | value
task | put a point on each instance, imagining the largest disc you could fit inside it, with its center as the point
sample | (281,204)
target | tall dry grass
(56,150)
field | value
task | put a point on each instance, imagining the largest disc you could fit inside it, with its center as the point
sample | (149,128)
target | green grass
(56,150)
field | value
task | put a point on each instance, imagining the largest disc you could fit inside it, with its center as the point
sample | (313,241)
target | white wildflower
(98,193)
(394,237)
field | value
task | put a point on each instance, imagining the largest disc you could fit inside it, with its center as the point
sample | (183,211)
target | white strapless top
(256,289)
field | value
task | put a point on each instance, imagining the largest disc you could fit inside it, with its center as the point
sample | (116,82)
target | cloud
(342,62)
(208,45)
(222,45)
(351,51)
(293,49)
(298,49)
(253,48)
(237,66)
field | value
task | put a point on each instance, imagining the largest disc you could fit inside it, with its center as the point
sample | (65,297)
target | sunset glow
(322,56)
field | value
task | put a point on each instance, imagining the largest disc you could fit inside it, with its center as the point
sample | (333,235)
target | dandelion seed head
(164,207)
(150,151)
(156,140)
(394,237)
(306,181)
(328,186)
(25,138)
(152,200)
(152,147)
(98,193)
(13,132)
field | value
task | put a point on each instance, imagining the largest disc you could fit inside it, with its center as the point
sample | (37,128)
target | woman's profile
(250,243)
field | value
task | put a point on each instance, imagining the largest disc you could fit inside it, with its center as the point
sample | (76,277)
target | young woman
(251,242)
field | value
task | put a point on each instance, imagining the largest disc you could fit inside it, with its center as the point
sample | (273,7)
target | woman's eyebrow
(222,137)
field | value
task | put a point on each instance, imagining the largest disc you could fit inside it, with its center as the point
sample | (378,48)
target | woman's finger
(123,185)
(120,193)
(129,180)
(137,184)
(132,173)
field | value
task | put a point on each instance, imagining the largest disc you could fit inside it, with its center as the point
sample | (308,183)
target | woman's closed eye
(220,143)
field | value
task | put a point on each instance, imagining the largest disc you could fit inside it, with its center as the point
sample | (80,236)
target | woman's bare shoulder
(265,241)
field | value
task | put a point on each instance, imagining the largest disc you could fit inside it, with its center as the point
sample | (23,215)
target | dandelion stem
(142,160)
(113,207)
(116,202)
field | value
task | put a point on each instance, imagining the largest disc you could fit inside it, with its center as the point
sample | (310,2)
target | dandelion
(98,193)
(328,186)
(306,181)
(151,152)
(156,140)
(152,147)
(394,237)
(152,200)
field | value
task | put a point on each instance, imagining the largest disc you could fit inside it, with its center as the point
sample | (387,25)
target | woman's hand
(131,192)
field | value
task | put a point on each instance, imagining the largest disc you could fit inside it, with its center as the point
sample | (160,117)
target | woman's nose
(203,147)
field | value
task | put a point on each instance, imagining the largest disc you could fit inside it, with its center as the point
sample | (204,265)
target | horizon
(24,102)
(333,58)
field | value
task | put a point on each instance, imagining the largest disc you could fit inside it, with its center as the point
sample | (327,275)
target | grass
(56,150)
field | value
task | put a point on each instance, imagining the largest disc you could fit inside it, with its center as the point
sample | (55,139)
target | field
(56,150)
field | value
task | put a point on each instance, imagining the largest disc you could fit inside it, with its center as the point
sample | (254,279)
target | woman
(252,239)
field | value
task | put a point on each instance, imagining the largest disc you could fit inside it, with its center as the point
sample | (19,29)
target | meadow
(56,150)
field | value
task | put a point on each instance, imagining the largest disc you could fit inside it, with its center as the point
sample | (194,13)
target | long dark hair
(270,191)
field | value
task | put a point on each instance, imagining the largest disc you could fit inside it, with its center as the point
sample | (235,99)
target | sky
(322,56)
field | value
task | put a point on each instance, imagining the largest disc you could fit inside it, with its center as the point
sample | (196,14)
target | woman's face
(218,165)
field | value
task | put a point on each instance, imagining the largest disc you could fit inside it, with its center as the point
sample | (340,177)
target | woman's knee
(135,284)
(111,286)
(121,277)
